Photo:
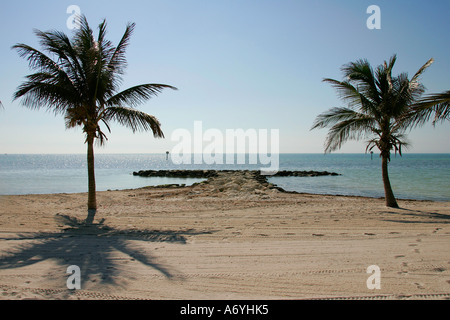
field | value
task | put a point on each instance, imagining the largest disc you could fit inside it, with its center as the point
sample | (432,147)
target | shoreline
(166,186)
(407,184)
(209,174)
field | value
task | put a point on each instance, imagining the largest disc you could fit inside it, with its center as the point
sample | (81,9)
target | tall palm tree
(79,78)
(379,109)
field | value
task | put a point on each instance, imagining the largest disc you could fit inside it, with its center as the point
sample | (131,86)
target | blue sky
(250,64)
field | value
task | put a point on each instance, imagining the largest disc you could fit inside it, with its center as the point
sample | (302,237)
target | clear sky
(250,64)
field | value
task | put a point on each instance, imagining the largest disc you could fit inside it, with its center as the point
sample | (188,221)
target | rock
(255,174)
(239,183)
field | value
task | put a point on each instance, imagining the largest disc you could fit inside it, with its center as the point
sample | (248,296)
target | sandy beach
(231,238)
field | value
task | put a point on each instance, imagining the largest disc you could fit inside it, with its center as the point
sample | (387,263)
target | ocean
(413,176)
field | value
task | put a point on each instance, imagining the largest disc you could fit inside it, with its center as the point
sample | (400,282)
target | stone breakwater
(214,173)
(247,183)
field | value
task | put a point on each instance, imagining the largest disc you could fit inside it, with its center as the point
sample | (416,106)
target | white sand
(244,242)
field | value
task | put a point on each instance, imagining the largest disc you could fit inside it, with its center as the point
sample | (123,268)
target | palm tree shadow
(95,248)
(433,217)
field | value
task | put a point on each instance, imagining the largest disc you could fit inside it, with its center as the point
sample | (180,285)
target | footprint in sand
(415,245)
(404,270)
(419,285)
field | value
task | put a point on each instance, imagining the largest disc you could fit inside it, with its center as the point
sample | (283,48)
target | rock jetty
(230,183)
(214,173)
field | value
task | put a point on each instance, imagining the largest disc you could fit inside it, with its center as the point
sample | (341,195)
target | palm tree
(379,109)
(79,78)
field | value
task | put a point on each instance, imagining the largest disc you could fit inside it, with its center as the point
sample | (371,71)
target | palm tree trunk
(389,194)
(92,201)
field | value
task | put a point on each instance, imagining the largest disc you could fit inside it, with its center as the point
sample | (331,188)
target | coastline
(411,175)
(248,241)
(207,174)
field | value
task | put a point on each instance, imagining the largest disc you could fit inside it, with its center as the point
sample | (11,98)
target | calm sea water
(413,176)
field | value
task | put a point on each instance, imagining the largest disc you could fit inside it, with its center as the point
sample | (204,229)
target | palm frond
(136,95)
(346,91)
(415,87)
(421,70)
(36,95)
(117,61)
(398,142)
(362,76)
(359,71)
(58,44)
(345,124)
(75,116)
(354,97)
(384,78)
(372,143)
(101,137)
(332,116)
(383,83)
(134,119)
(437,105)
(36,59)
(390,66)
